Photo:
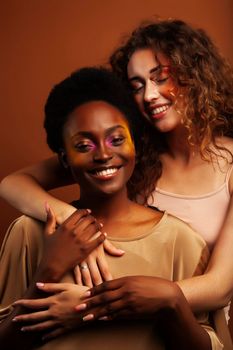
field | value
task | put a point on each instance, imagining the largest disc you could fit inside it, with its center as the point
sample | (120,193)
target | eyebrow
(89,134)
(153,70)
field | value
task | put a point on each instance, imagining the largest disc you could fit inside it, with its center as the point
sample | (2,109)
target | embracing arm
(79,235)
(26,189)
(203,292)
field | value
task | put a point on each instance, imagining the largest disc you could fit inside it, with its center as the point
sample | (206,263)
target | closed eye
(136,86)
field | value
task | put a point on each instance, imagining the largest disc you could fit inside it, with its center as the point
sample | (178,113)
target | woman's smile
(99,148)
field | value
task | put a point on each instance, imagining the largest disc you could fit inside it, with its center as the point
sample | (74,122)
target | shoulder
(181,231)
(26,222)
(186,241)
(227,143)
(190,251)
(24,228)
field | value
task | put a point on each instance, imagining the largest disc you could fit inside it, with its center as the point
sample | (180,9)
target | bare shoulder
(226,142)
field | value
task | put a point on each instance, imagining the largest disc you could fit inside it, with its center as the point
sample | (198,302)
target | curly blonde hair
(203,77)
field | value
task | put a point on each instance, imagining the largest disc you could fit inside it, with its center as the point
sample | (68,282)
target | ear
(62,158)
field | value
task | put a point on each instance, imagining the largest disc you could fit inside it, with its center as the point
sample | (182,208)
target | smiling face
(154,89)
(99,148)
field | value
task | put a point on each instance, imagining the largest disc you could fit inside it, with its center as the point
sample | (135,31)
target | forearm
(24,193)
(203,292)
(180,329)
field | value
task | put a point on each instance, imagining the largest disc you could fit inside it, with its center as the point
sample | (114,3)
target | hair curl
(202,75)
(99,84)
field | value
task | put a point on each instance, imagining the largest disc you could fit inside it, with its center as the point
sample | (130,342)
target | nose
(102,154)
(151,91)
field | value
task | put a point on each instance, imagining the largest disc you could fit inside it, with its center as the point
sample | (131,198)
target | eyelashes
(111,141)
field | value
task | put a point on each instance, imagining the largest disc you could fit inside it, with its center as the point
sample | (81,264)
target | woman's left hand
(55,314)
(128,297)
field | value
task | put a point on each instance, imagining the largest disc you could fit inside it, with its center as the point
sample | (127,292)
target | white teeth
(106,172)
(159,109)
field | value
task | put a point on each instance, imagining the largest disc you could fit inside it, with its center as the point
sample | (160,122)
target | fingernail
(101,225)
(88,317)
(121,251)
(105,234)
(40,284)
(80,307)
(23,329)
(14,319)
(103,318)
(86,294)
(89,211)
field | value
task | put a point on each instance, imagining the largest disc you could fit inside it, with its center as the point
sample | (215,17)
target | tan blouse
(171,250)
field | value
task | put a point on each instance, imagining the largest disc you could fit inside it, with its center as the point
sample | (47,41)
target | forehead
(94,116)
(143,61)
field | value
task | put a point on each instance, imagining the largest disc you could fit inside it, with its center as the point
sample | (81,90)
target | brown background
(42,41)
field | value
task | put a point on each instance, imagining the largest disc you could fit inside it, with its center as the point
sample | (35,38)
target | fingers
(103,268)
(86,276)
(51,220)
(74,218)
(35,316)
(33,303)
(93,244)
(112,250)
(88,226)
(103,287)
(78,276)
(94,270)
(39,326)
(108,311)
(51,288)
(103,300)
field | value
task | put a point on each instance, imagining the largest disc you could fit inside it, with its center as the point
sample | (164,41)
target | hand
(56,312)
(76,236)
(94,270)
(129,297)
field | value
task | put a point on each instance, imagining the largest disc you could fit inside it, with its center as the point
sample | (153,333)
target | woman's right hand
(71,242)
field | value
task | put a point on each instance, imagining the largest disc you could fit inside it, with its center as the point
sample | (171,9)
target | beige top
(170,250)
(205,213)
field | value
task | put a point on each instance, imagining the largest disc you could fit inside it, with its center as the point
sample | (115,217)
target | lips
(158,111)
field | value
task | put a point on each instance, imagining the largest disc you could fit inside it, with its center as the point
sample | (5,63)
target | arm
(140,297)
(75,236)
(136,297)
(203,292)
(26,189)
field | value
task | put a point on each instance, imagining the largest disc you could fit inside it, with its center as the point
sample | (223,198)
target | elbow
(4,186)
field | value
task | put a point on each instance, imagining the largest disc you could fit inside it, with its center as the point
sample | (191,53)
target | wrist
(65,214)
(49,272)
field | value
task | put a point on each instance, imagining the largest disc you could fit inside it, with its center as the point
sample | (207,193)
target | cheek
(169,90)
(138,98)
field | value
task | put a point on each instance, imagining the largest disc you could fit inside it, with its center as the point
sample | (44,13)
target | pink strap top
(205,213)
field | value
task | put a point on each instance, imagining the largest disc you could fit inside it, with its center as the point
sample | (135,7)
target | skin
(92,144)
(80,235)
(182,170)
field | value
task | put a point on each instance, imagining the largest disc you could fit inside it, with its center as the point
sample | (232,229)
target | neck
(178,146)
(106,208)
